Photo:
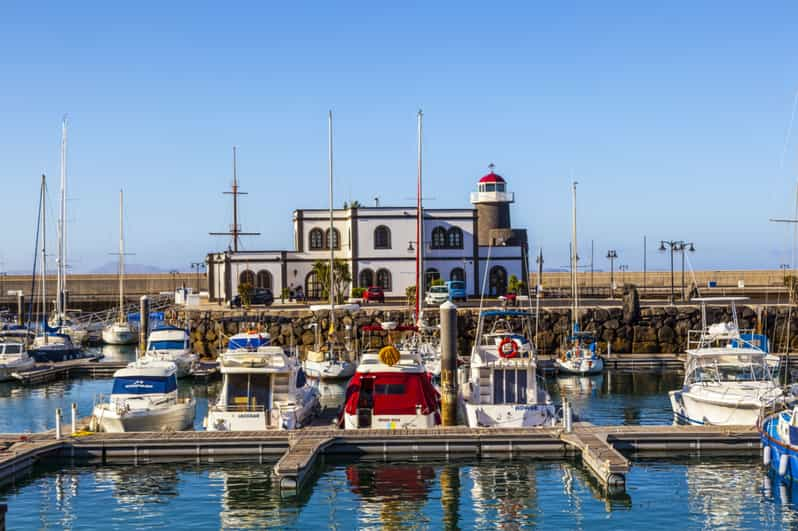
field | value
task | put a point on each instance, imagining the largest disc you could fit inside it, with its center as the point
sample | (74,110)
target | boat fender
(784,461)
(766,456)
(508,348)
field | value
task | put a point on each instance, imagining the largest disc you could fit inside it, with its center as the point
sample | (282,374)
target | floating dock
(295,455)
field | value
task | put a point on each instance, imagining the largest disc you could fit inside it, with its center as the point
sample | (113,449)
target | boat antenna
(574,265)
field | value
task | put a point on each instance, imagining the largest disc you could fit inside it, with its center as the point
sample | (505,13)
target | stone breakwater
(643,330)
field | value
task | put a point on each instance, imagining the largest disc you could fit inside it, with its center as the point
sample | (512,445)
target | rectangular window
(509,386)
(490,187)
(390,389)
(498,386)
(522,387)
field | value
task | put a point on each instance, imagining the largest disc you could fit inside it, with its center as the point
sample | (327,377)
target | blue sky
(673,118)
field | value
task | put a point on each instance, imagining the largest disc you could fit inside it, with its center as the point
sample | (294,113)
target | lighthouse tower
(492,201)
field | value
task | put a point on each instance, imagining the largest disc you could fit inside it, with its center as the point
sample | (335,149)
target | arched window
(384,279)
(247,277)
(458,273)
(316,239)
(366,278)
(335,243)
(313,287)
(429,276)
(455,238)
(438,238)
(264,279)
(497,280)
(382,237)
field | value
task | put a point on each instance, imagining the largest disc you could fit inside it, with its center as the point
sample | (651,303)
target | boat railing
(240,408)
(707,338)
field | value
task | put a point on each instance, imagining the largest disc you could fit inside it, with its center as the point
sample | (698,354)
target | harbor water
(347,494)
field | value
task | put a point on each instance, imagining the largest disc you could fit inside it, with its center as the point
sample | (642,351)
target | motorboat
(171,343)
(391,389)
(501,387)
(779,435)
(249,340)
(262,389)
(145,398)
(578,354)
(13,358)
(728,374)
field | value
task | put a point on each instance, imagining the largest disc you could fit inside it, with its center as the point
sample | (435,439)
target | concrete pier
(296,454)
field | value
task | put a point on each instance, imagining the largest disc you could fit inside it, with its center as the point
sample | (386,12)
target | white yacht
(120,332)
(728,378)
(578,355)
(331,360)
(170,343)
(501,387)
(13,358)
(262,389)
(145,398)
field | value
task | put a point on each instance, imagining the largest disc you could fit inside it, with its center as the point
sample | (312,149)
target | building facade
(379,246)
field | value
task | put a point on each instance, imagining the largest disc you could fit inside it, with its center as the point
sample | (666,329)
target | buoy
(784,461)
(766,456)
(389,355)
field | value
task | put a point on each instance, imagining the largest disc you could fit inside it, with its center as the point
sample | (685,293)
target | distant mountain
(112,267)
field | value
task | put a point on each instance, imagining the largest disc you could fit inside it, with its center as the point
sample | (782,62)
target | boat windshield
(248,391)
(144,385)
(712,371)
(167,344)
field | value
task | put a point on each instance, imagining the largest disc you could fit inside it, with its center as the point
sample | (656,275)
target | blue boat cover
(759,341)
(247,343)
(144,385)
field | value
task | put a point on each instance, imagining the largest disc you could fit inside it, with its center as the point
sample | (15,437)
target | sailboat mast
(419,225)
(332,229)
(61,244)
(44,259)
(121,260)
(574,264)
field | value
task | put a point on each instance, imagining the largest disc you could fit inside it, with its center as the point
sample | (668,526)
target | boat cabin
(168,338)
(142,379)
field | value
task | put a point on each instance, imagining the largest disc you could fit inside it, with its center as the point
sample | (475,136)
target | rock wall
(649,330)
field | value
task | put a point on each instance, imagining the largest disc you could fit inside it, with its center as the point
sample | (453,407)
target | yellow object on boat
(389,355)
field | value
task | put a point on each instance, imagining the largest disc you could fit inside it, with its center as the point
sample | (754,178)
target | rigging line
(789,131)
(35,260)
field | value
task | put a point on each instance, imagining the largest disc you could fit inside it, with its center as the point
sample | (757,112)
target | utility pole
(676,246)
(611,256)
(235,228)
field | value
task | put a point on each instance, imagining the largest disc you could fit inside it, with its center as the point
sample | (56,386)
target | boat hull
(689,409)
(219,419)
(326,370)
(8,369)
(510,415)
(116,337)
(55,355)
(579,366)
(393,422)
(173,417)
(778,448)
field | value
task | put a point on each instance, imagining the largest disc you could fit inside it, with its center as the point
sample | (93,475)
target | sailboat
(60,318)
(49,345)
(120,332)
(424,342)
(578,355)
(331,360)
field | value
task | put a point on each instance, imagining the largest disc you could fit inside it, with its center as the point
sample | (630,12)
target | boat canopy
(506,313)
(248,341)
(144,385)
(392,393)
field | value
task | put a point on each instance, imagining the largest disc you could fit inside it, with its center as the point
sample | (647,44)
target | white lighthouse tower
(492,201)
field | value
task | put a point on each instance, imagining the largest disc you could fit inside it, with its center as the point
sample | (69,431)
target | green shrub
(357,293)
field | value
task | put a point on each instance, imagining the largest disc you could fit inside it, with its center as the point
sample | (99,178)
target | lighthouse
(492,201)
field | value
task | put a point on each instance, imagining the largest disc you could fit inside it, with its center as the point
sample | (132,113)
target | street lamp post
(676,246)
(196,266)
(623,268)
(611,256)
(784,268)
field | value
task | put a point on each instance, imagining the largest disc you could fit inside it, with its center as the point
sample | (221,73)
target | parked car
(457,290)
(374,294)
(509,299)
(437,295)
(262,296)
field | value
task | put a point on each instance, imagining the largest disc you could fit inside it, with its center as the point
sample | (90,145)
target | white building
(378,244)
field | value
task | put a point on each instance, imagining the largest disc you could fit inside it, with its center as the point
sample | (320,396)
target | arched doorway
(264,279)
(247,277)
(497,281)
(430,275)
(313,287)
(458,273)
(384,279)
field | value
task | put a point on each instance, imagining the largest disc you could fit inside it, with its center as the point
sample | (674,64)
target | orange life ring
(503,351)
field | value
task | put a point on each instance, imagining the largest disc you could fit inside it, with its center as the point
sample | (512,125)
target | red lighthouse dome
(492,178)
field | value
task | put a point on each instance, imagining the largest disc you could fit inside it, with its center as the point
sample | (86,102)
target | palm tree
(343,277)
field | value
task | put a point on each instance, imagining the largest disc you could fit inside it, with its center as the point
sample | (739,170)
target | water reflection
(115,353)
